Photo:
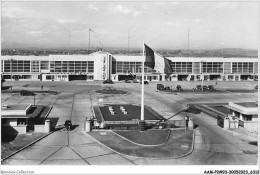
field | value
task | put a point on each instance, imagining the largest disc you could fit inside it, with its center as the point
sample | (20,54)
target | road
(213,145)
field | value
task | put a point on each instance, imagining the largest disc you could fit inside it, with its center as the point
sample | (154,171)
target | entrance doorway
(214,77)
(77,77)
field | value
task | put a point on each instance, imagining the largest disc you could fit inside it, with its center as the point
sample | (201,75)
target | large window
(212,67)
(181,67)
(72,66)
(239,67)
(44,65)
(17,66)
(130,67)
(35,66)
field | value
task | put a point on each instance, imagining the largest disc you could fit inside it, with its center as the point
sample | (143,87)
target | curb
(177,157)
(26,146)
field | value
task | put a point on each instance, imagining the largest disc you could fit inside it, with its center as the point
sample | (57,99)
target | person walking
(186,121)
(42,87)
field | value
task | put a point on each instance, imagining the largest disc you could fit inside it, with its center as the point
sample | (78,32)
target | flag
(157,61)
(90,30)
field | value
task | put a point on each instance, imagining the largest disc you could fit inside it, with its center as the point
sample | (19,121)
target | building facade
(103,66)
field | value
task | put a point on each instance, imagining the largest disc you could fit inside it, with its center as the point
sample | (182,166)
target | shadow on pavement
(74,126)
(253,143)
(193,110)
(8,134)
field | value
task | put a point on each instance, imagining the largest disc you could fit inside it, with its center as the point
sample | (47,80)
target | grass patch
(173,148)
(111,91)
(21,140)
(148,137)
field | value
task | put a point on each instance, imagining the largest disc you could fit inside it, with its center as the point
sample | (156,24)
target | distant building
(103,66)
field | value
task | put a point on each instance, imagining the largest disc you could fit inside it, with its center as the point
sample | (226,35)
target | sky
(211,25)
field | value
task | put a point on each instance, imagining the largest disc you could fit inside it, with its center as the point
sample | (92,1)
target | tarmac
(77,148)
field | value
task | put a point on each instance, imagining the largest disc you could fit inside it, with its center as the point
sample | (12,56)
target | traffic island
(111,91)
(179,144)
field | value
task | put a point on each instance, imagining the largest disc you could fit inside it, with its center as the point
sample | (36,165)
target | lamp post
(202,74)
(11,65)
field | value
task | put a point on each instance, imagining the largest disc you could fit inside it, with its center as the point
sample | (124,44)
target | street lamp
(11,65)
(202,74)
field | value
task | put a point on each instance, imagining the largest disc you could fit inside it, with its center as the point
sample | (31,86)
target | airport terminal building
(103,66)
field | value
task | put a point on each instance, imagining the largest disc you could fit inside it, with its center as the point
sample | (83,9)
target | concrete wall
(39,128)
(251,126)
(255,118)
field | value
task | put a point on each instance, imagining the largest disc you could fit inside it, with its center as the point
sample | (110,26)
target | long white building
(103,66)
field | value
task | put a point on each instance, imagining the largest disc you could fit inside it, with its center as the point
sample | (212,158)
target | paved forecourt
(77,147)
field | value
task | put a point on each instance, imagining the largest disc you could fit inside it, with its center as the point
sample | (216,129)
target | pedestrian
(216,83)
(187,121)
(42,87)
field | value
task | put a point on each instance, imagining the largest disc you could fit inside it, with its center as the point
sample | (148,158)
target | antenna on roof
(69,42)
(188,39)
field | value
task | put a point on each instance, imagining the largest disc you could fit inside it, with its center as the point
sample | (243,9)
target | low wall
(251,126)
(179,123)
(39,128)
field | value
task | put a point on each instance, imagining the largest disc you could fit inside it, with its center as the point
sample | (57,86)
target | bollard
(87,125)
(226,123)
(190,124)
(47,127)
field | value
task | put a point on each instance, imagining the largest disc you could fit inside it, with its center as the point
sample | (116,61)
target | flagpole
(88,40)
(142,96)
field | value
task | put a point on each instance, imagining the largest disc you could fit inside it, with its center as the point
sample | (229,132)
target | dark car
(179,88)
(256,87)
(108,82)
(205,88)
(26,93)
(68,125)
(160,87)
(145,82)
(211,87)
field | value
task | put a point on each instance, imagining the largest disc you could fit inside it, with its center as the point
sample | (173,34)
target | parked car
(199,88)
(26,93)
(68,125)
(108,82)
(160,87)
(256,87)
(179,88)
(211,87)
(145,82)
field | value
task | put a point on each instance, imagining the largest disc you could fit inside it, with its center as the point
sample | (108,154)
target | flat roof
(248,104)
(15,107)
(128,58)
(14,116)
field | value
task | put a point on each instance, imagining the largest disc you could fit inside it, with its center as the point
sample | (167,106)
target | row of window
(242,67)
(117,67)
(181,67)
(17,66)
(72,66)
(212,67)
(129,67)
